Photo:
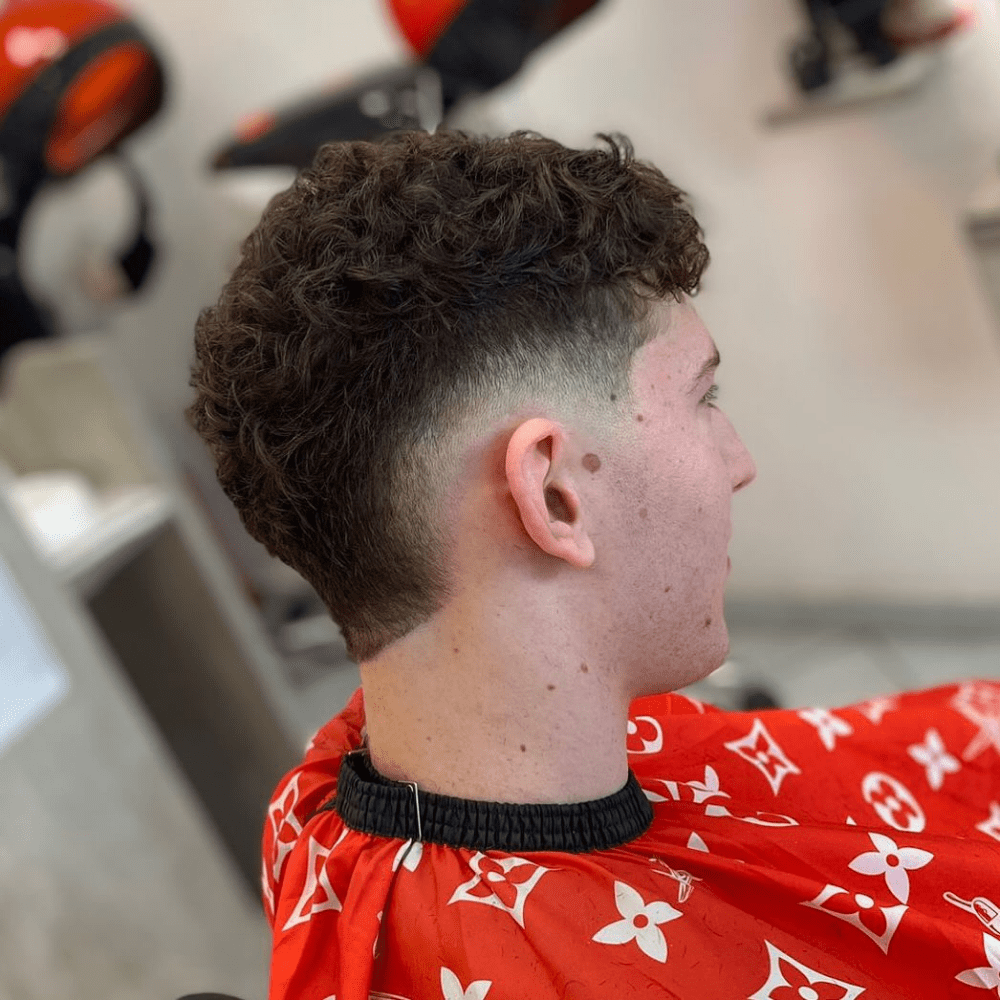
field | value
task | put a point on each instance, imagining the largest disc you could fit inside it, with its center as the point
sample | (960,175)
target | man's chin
(699,671)
(720,652)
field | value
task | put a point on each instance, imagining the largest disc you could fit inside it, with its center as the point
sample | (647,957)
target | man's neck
(470,726)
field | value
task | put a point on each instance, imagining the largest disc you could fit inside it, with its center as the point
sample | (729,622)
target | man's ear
(542,484)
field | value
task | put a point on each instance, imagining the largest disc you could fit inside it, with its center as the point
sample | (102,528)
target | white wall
(861,362)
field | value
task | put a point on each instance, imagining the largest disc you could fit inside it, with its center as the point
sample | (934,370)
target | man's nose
(748,472)
(742,463)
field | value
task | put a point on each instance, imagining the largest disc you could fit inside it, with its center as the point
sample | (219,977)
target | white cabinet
(152,724)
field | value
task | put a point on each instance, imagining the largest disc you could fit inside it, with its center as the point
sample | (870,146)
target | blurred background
(159,672)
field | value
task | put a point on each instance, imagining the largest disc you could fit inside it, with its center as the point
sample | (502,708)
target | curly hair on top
(398,297)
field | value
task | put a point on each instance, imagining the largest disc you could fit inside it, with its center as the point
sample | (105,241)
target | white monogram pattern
(640,923)
(875,709)
(986,977)
(514,877)
(451,987)
(991,826)
(655,745)
(788,974)
(893,862)
(861,911)
(980,704)
(759,748)
(284,825)
(934,756)
(714,848)
(317,880)
(828,726)
(893,802)
(703,791)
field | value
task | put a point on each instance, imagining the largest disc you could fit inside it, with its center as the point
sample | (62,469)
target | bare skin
(591,572)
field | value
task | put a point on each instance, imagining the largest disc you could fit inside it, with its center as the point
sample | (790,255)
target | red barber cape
(773,855)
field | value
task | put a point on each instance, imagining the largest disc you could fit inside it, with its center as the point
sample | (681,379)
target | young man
(460,386)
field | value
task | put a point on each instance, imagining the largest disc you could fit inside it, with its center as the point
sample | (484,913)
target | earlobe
(541,486)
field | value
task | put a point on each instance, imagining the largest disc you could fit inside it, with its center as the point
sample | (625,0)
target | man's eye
(711,394)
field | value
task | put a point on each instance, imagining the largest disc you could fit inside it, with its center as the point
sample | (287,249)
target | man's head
(405,302)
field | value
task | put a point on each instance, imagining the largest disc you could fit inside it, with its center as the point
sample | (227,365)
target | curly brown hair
(399,297)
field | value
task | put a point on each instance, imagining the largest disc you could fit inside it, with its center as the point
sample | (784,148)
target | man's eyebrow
(713,362)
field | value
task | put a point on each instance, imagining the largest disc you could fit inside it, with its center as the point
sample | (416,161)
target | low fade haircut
(396,302)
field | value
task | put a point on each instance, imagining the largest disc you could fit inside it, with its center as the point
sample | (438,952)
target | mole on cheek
(591,462)
(643,513)
(639,418)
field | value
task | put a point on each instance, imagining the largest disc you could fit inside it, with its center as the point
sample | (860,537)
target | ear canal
(556,505)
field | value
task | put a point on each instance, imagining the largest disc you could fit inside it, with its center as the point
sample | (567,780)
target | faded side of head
(398,294)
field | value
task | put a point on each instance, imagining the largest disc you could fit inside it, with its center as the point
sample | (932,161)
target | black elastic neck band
(371,803)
